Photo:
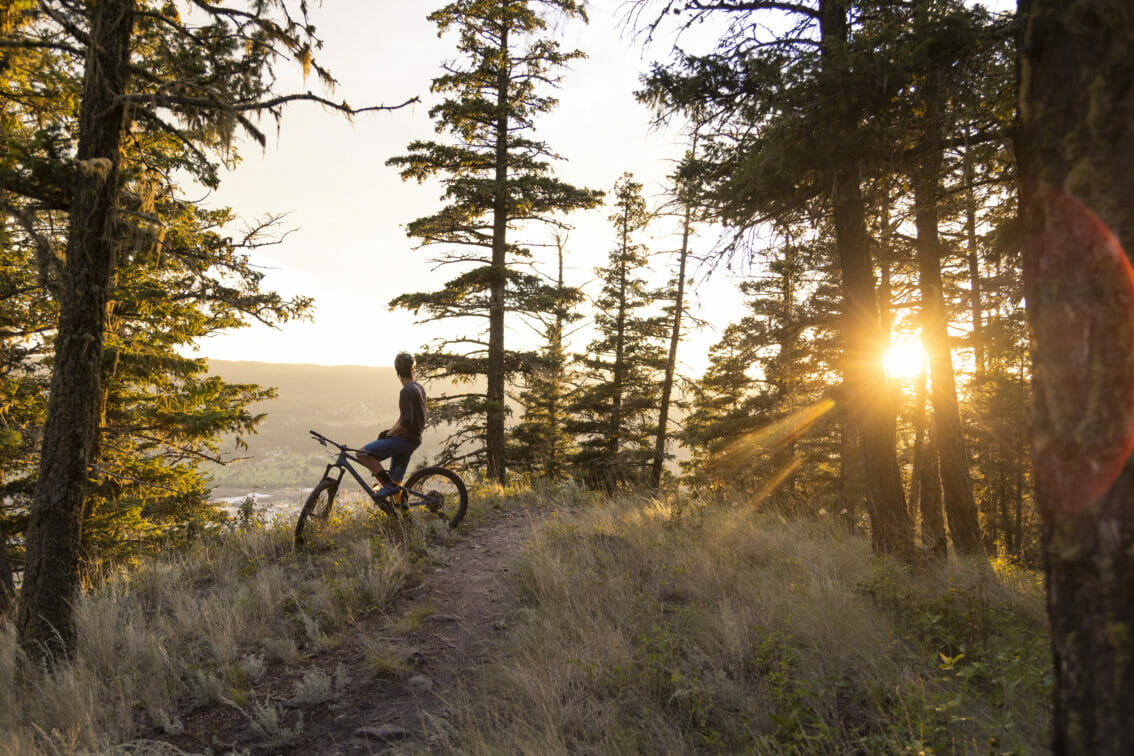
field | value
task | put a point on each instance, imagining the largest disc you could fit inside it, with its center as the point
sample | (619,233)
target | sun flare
(904,359)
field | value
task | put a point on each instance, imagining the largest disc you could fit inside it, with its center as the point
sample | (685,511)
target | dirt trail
(470,594)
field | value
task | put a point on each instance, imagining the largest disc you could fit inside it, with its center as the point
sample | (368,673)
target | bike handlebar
(324,441)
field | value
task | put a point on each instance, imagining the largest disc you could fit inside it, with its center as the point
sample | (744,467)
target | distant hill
(347,403)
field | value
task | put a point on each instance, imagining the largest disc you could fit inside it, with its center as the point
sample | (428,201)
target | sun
(904,359)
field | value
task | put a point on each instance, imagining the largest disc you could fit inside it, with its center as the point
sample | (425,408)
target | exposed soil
(470,594)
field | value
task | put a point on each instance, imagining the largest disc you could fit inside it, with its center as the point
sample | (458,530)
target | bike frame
(342,462)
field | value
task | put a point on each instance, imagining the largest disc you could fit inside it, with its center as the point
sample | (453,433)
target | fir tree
(721,407)
(540,443)
(760,414)
(126,67)
(496,177)
(675,312)
(614,411)
(785,128)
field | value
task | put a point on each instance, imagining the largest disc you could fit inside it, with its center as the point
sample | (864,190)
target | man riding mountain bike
(399,441)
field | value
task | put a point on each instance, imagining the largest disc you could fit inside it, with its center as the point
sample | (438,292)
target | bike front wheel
(315,510)
(441,491)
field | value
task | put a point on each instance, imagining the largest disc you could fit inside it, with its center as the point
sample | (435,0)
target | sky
(346,210)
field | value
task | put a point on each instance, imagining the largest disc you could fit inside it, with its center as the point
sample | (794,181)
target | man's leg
(375,452)
(398,464)
(398,450)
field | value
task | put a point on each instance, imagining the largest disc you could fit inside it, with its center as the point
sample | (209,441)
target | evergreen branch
(30,44)
(144,484)
(153,119)
(260,105)
(66,24)
(188,452)
(49,268)
(51,196)
(752,5)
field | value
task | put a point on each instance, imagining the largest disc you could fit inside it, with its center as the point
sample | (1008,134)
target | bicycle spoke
(439,491)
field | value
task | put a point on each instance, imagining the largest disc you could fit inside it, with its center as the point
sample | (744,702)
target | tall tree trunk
(553,465)
(885,288)
(932,522)
(960,506)
(7,582)
(494,416)
(1005,515)
(956,481)
(1075,150)
(51,578)
(1018,500)
(674,340)
(869,396)
(975,305)
(614,441)
(920,430)
(852,486)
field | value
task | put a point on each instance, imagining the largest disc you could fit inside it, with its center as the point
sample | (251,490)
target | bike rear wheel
(315,510)
(441,491)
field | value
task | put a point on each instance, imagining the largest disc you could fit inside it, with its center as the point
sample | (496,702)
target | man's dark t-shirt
(411,404)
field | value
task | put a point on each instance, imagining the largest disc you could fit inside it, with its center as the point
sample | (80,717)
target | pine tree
(763,405)
(785,135)
(496,177)
(945,35)
(614,411)
(540,443)
(721,410)
(179,276)
(676,314)
(136,67)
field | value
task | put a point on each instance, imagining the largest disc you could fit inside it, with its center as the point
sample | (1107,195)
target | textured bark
(960,506)
(868,395)
(494,416)
(920,422)
(976,307)
(929,484)
(1075,153)
(852,486)
(7,583)
(674,340)
(51,578)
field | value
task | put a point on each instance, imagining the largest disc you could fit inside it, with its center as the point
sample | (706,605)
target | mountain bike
(436,489)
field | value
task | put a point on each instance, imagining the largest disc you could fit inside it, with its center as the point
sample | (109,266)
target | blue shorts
(397,450)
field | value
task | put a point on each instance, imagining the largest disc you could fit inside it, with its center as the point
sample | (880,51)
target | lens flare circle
(1080,289)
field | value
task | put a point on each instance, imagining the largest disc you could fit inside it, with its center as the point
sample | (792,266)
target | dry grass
(646,626)
(200,625)
(663,627)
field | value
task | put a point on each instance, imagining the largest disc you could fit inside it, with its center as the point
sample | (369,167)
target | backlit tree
(498,179)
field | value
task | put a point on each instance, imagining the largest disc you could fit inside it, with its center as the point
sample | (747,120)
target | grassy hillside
(347,403)
(644,626)
(674,627)
(201,626)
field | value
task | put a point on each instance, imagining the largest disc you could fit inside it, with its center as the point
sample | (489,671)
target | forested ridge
(923,208)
